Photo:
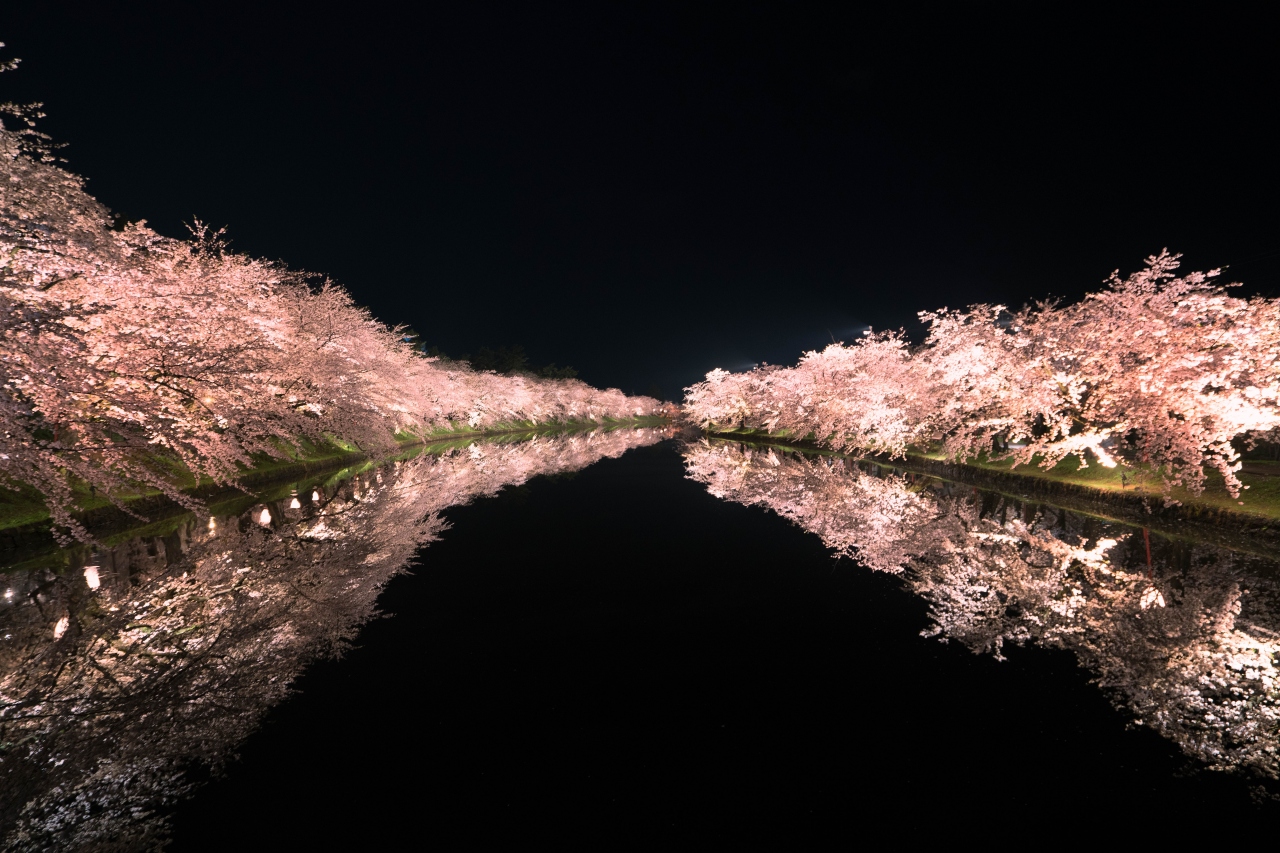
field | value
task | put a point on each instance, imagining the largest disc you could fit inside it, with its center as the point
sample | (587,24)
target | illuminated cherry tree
(1157,370)
(1165,369)
(131,360)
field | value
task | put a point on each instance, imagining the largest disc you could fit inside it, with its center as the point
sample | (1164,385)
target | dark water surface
(619,656)
(615,657)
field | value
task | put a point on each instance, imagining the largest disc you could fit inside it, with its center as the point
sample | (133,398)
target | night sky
(647,193)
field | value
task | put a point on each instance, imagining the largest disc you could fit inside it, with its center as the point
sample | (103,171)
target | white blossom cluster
(129,360)
(1159,371)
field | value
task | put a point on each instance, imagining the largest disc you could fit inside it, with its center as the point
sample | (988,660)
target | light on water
(182,628)
(1192,653)
(207,634)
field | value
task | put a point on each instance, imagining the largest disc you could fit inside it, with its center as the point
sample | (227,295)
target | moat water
(623,639)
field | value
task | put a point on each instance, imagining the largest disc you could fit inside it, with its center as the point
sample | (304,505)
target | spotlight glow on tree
(1158,370)
(124,352)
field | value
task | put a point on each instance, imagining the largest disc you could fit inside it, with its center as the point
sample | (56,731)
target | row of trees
(1158,369)
(128,358)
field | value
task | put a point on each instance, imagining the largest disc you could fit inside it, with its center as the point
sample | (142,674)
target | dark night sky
(649,193)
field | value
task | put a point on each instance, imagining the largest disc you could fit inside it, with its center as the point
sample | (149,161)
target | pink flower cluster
(1157,370)
(130,359)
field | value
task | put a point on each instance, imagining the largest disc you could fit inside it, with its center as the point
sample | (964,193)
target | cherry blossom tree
(131,361)
(1166,369)
(1158,371)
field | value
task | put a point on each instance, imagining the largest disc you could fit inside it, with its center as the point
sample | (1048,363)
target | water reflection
(121,666)
(1183,634)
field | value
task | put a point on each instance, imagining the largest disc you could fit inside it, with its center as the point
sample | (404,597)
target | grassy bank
(23,510)
(1250,523)
(1261,499)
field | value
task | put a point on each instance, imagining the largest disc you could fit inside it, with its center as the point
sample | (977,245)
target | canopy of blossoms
(129,360)
(1158,370)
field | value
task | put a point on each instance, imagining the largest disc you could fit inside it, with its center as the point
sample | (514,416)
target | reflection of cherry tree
(871,519)
(1180,642)
(1195,655)
(124,352)
(165,651)
(1158,369)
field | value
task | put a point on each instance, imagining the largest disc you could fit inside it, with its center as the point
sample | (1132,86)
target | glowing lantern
(315,496)
(1151,598)
(265,518)
(61,628)
(91,577)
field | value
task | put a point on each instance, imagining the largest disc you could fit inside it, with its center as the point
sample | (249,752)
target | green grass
(229,503)
(25,507)
(1260,500)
